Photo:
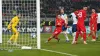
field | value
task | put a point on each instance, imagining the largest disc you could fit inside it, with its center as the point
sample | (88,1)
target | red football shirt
(94,18)
(59,23)
(93,21)
(81,16)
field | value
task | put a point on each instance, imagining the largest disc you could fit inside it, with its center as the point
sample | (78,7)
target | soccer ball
(33,35)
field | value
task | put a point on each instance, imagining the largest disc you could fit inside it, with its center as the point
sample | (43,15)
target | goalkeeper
(13,27)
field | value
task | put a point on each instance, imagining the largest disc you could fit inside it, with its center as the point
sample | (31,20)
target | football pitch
(63,48)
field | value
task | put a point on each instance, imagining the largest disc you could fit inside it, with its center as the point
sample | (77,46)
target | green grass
(91,49)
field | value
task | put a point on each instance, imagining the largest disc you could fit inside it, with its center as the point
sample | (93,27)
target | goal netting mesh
(27,27)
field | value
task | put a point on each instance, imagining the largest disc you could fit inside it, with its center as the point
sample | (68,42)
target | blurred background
(48,10)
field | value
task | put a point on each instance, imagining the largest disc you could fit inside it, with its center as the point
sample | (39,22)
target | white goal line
(58,52)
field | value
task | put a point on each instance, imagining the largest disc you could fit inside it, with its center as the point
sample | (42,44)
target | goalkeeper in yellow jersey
(13,27)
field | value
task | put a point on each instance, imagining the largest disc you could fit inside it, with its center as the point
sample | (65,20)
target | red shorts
(81,27)
(57,31)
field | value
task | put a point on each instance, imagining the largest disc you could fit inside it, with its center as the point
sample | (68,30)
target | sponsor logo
(48,29)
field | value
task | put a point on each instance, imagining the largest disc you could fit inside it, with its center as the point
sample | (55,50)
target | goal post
(0,21)
(38,23)
(28,27)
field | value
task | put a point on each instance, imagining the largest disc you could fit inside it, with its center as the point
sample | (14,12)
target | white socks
(66,36)
(97,34)
(74,34)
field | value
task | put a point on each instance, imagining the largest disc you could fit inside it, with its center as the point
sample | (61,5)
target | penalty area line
(58,52)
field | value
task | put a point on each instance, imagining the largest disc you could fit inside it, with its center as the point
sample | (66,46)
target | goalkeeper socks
(16,37)
(12,37)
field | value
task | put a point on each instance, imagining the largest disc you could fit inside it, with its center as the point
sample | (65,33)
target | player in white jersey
(98,25)
(74,26)
(64,28)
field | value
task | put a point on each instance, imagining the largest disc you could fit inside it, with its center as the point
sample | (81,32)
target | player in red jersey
(58,29)
(90,25)
(80,25)
(93,24)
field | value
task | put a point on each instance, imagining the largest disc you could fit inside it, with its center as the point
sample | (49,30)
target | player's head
(76,11)
(57,13)
(85,8)
(58,16)
(93,10)
(19,15)
(62,10)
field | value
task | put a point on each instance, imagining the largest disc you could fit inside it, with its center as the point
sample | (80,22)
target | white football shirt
(74,18)
(98,19)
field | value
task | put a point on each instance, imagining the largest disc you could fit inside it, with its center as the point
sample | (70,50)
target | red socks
(49,39)
(77,34)
(84,36)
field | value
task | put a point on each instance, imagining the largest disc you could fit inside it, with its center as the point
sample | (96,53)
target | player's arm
(11,22)
(66,21)
(85,15)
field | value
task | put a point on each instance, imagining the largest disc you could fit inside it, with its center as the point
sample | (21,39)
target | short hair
(95,9)
(58,12)
(85,6)
(17,13)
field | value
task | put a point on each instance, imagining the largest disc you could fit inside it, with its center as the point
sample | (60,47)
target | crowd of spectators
(12,7)
(49,7)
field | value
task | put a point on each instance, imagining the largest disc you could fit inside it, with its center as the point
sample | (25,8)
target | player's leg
(97,33)
(65,33)
(16,33)
(90,32)
(83,29)
(98,28)
(77,35)
(16,37)
(81,35)
(11,39)
(94,33)
(66,36)
(53,35)
(56,35)
(93,36)
(74,32)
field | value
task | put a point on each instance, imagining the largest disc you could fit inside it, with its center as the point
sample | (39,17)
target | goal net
(28,26)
